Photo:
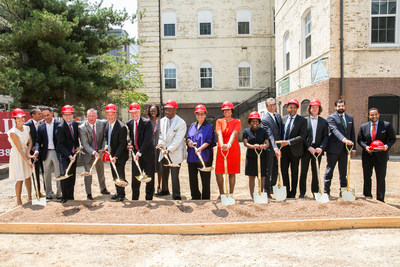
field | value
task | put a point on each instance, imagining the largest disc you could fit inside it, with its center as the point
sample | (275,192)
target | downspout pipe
(159,55)
(341,51)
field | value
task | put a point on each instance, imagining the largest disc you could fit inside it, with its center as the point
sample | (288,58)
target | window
(307,36)
(286,52)
(169,24)
(243,18)
(284,110)
(244,75)
(170,76)
(205,22)
(383,21)
(206,75)
(304,107)
(389,109)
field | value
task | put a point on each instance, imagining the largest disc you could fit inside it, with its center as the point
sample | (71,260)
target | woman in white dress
(20,164)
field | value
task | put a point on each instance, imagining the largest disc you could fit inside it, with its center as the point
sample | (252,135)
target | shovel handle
(348,165)
(137,163)
(114,167)
(226,172)
(94,164)
(199,155)
(279,164)
(259,169)
(318,171)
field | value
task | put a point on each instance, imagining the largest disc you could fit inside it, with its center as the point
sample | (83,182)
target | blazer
(87,141)
(298,133)
(42,141)
(32,128)
(384,133)
(337,132)
(321,136)
(118,140)
(145,138)
(173,139)
(65,141)
(273,130)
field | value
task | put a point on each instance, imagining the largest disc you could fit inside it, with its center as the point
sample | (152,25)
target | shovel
(142,177)
(347,193)
(170,164)
(204,169)
(37,200)
(227,199)
(259,197)
(91,169)
(279,190)
(69,167)
(320,196)
(118,181)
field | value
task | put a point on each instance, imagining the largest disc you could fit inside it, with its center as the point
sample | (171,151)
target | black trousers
(289,159)
(332,159)
(271,174)
(176,188)
(194,180)
(148,168)
(305,163)
(120,166)
(38,167)
(67,185)
(379,162)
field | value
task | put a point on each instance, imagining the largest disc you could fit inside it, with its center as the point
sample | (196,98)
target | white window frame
(243,15)
(286,50)
(205,16)
(168,17)
(169,66)
(206,65)
(305,35)
(245,64)
(397,25)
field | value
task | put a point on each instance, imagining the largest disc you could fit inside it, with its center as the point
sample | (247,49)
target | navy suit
(336,149)
(42,141)
(273,125)
(39,163)
(386,134)
(145,141)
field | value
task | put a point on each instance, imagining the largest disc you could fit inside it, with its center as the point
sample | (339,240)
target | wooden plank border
(202,228)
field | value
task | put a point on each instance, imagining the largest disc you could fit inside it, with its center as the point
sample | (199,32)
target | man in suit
(115,136)
(314,144)
(67,145)
(33,124)
(294,132)
(172,139)
(142,142)
(45,147)
(91,134)
(272,122)
(373,130)
(341,126)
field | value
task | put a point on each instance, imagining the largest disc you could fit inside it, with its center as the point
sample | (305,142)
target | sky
(130,6)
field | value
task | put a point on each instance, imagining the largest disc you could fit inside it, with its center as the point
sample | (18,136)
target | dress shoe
(58,197)
(49,198)
(89,197)
(115,196)
(105,192)
(177,198)
(63,200)
(163,193)
(120,199)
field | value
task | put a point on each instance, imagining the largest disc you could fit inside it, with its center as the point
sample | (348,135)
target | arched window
(286,52)
(244,72)
(306,34)
(206,75)
(169,23)
(304,107)
(243,18)
(205,22)
(170,76)
(389,109)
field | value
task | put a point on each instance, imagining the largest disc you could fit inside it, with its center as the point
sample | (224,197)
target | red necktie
(136,145)
(94,139)
(72,134)
(373,132)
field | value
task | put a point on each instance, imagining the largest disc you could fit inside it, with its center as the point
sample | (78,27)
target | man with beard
(342,134)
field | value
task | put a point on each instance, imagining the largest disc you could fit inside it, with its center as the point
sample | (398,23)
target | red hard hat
(254,115)
(67,109)
(105,157)
(134,107)
(293,101)
(200,108)
(377,145)
(18,113)
(315,102)
(171,104)
(111,108)
(227,105)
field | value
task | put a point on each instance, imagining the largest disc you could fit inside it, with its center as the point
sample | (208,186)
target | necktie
(136,144)
(109,138)
(72,134)
(344,124)
(373,132)
(287,132)
(94,138)
(276,120)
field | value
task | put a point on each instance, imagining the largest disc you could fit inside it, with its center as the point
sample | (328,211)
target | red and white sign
(6,123)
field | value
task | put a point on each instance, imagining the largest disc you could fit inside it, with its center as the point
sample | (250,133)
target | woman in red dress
(227,130)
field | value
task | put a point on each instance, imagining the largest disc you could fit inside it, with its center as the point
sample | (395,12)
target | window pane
(382,36)
(244,77)
(170,83)
(391,22)
(206,83)
(390,36)
(243,27)
(308,46)
(288,61)
(374,37)
(382,22)
(169,29)
(375,8)
(205,28)
(392,7)
(383,8)
(375,23)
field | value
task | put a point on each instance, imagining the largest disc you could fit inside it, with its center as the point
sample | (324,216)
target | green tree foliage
(53,52)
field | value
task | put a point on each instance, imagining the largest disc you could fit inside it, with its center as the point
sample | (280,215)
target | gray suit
(87,141)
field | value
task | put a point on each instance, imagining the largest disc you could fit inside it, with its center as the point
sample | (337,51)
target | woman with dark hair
(20,164)
(154,113)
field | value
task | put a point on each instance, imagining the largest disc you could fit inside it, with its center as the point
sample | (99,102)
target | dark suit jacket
(65,141)
(32,128)
(273,130)
(145,138)
(384,133)
(321,138)
(42,140)
(337,132)
(298,134)
(118,141)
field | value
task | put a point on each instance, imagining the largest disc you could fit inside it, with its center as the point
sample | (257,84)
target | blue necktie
(287,132)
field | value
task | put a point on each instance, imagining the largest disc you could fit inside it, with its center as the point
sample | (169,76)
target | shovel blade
(62,177)
(279,193)
(348,195)
(227,200)
(206,169)
(40,201)
(321,197)
(260,198)
(86,174)
(143,178)
(121,183)
(172,165)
